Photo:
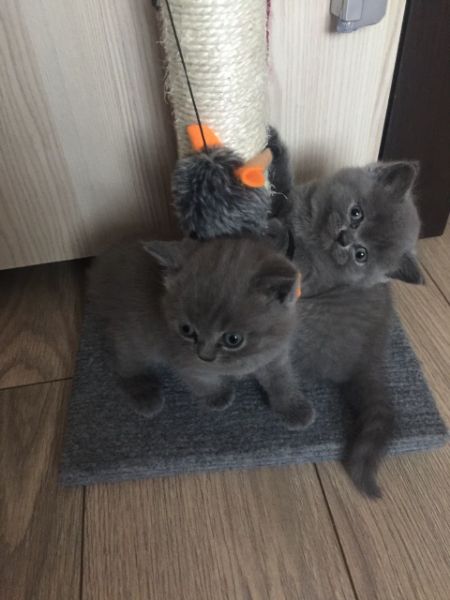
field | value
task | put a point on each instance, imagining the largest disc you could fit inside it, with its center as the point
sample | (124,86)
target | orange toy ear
(252,173)
(195,136)
(298,289)
(253,177)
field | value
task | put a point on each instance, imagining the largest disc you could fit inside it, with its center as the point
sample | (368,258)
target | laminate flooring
(295,533)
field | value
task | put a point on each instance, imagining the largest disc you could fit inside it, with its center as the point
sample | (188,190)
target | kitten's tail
(372,431)
(280,175)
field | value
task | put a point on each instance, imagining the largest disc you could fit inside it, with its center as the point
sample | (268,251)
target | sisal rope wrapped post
(224,48)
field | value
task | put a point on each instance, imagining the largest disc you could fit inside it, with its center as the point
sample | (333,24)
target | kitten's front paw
(149,406)
(144,393)
(297,416)
(220,400)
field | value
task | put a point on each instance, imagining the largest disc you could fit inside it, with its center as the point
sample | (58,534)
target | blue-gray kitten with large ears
(214,312)
(354,232)
(360,226)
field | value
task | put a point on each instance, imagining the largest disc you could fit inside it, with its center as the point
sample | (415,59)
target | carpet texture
(107,441)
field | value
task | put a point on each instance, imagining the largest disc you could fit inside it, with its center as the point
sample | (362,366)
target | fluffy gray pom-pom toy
(211,201)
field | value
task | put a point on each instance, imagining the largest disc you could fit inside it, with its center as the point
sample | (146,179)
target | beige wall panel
(86,143)
(329,91)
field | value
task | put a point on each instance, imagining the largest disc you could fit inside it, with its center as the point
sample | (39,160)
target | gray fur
(146,292)
(211,202)
(280,174)
(345,309)
(388,231)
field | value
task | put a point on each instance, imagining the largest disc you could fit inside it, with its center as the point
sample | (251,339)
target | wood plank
(87,143)
(398,547)
(40,316)
(40,523)
(435,257)
(329,91)
(259,535)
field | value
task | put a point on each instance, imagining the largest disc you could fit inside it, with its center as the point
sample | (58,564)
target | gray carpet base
(106,440)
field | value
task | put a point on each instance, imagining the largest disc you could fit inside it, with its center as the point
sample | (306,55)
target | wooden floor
(299,533)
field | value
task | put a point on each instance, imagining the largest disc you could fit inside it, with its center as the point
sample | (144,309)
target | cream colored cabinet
(86,143)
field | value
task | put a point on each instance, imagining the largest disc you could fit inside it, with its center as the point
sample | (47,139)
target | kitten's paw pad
(149,406)
(220,401)
(298,416)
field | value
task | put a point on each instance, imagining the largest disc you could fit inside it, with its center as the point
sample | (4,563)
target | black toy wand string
(191,93)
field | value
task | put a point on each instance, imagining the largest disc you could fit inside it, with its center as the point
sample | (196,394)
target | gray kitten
(354,232)
(213,311)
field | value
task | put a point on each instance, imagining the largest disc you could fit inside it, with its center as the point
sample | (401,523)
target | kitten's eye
(356,215)
(187,331)
(361,254)
(232,340)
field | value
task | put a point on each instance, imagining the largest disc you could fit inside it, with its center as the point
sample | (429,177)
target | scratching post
(223,43)
(224,47)
(107,441)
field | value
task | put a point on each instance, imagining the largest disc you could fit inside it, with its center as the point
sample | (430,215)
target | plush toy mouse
(216,193)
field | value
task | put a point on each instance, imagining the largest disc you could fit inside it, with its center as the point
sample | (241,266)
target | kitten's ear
(170,255)
(408,270)
(396,178)
(278,280)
